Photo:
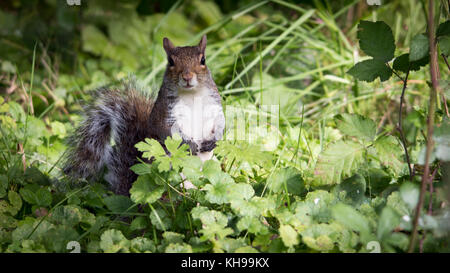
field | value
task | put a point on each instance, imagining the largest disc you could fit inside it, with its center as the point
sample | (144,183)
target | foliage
(334,180)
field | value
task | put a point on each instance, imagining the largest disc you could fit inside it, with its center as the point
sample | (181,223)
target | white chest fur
(195,114)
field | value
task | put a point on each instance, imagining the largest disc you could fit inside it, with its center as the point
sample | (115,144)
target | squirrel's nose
(187,76)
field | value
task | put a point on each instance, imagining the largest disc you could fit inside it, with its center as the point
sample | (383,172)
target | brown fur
(128,115)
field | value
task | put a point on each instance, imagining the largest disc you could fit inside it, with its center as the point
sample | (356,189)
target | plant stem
(400,125)
(445,60)
(430,123)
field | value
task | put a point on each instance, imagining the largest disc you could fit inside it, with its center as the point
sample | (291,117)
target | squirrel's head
(186,65)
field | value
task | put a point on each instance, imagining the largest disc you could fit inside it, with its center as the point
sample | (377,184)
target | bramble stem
(400,125)
(434,70)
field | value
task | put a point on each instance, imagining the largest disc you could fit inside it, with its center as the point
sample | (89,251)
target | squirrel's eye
(202,62)
(171,63)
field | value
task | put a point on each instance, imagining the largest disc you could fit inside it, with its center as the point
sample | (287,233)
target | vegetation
(360,161)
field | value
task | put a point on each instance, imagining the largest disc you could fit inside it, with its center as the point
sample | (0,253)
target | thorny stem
(430,204)
(430,122)
(400,125)
(445,60)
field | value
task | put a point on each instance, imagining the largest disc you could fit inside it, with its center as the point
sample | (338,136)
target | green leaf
(214,223)
(369,70)
(139,223)
(142,245)
(160,219)
(252,225)
(352,219)
(178,248)
(69,215)
(419,48)
(338,160)
(444,45)
(288,235)
(376,40)
(119,204)
(354,188)
(389,152)
(318,236)
(396,202)
(443,37)
(58,129)
(15,203)
(403,64)
(151,148)
(443,29)
(3,185)
(286,178)
(141,168)
(192,169)
(409,192)
(113,241)
(388,221)
(218,192)
(316,207)
(441,137)
(145,190)
(44,197)
(254,207)
(356,126)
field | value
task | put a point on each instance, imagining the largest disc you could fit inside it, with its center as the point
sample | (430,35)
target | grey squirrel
(188,104)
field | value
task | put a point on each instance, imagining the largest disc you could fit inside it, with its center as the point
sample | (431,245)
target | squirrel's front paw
(207,145)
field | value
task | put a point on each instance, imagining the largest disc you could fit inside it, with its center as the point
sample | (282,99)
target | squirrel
(188,104)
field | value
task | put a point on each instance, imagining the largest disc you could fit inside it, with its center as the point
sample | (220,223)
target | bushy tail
(118,114)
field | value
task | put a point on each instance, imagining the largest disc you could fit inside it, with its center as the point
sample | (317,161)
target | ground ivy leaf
(113,241)
(288,235)
(254,207)
(315,207)
(354,188)
(192,167)
(145,190)
(369,70)
(208,217)
(352,219)
(376,40)
(220,189)
(142,245)
(119,204)
(252,225)
(317,236)
(286,178)
(69,215)
(139,223)
(338,160)
(419,47)
(178,248)
(388,221)
(356,126)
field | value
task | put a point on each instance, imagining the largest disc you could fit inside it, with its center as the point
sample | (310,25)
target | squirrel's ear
(168,46)
(202,44)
